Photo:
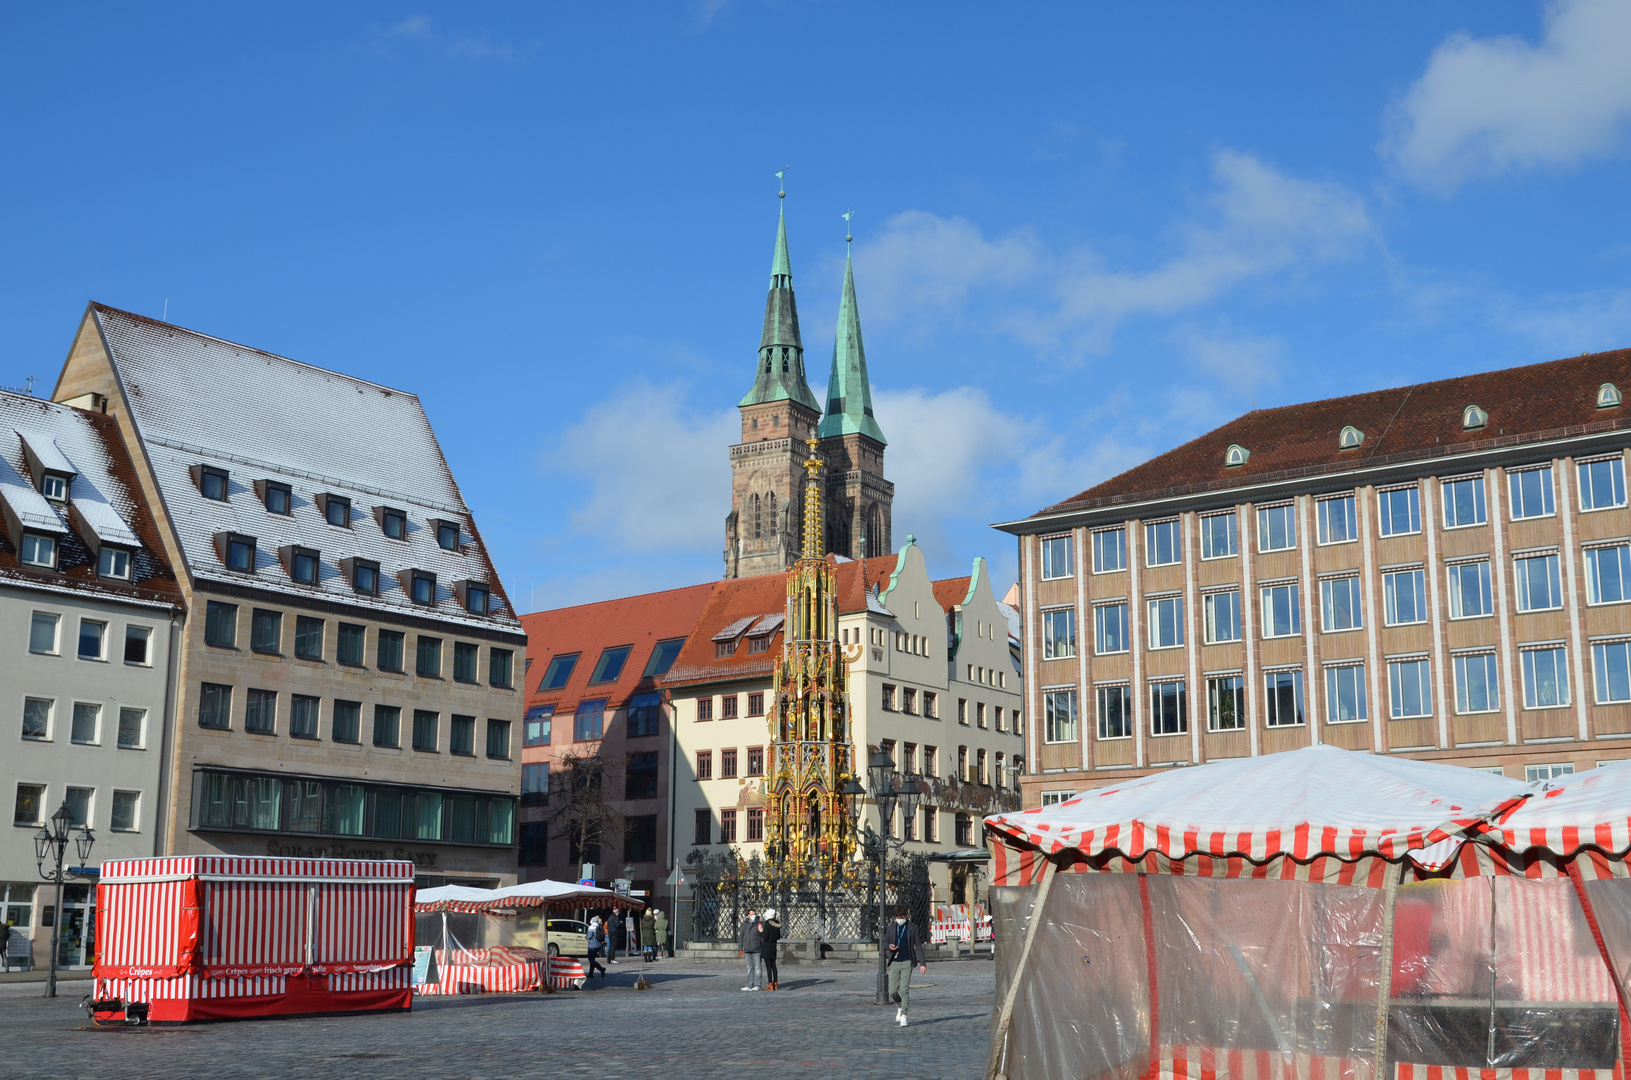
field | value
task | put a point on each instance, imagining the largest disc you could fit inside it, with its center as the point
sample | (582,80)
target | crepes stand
(1234,921)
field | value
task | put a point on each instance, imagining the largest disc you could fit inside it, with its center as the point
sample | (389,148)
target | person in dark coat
(905,952)
(648,936)
(769,940)
(749,945)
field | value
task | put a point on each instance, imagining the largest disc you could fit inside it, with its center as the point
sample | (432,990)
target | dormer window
(1235,455)
(278,498)
(39,550)
(336,510)
(447,535)
(476,599)
(1473,418)
(364,577)
(1608,396)
(237,551)
(303,566)
(54,487)
(212,483)
(114,563)
(394,524)
(422,587)
(1350,438)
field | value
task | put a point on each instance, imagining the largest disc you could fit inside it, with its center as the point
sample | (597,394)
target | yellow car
(565,937)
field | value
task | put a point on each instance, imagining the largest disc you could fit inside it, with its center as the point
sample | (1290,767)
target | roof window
(54,486)
(420,586)
(336,510)
(303,565)
(559,672)
(38,550)
(277,498)
(1473,418)
(1608,396)
(1350,438)
(474,596)
(611,664)
(363,575)
(663,657)
(393,523)
(1235,455)
(237,551)
(212,483)
(113,563)
(447,535)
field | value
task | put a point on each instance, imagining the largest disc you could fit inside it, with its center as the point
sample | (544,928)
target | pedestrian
(613,930)
(748,944)
(648,936)
(905,950)
(597,943)
(662,932)
(770,940)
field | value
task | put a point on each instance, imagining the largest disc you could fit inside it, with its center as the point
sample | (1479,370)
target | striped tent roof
(1306,803)
(547,894)
(1590,809)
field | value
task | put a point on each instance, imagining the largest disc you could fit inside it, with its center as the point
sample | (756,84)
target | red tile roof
(1532,403)
(950,592)
(588,629)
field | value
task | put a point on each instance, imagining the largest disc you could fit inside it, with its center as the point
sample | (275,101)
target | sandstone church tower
(779,414)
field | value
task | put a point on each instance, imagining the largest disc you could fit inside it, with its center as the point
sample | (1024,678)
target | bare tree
(581,806)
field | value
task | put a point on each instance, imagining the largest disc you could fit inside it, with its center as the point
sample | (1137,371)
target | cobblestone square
(695,1022)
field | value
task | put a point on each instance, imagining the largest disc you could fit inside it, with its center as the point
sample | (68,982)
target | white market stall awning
(549,894)
(1590,809)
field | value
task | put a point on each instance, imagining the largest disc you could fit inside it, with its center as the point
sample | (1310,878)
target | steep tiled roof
(950,592)
(1525,404)
(199,400)
(588,629)
(103,500)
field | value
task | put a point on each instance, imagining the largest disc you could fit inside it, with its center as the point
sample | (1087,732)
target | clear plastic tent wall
(1160,957)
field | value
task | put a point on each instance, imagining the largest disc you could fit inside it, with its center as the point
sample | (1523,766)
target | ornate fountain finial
(812,503)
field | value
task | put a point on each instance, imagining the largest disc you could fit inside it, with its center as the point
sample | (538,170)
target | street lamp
(52,843)
(888,788)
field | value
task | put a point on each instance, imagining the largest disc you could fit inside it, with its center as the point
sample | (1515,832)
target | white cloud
(418,28)
(1487,106)
(1259,222)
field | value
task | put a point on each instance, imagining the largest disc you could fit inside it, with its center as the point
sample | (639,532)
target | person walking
(662,932)
(612,930)
(748,944)
(770,939)
(597,942)
(905,951)
(648,936)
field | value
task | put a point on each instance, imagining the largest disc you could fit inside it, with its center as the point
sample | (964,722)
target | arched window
(1608,396)
(1472,418)
(874,532)
(775,522)
(758,522)
(1350,438)
(1235,455)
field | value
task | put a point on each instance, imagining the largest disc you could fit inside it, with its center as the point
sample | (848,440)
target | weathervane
(782,194)
(846,215)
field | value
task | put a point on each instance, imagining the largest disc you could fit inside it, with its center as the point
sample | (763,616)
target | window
(1340,605)
(1345,693)
(1335,520)
(265,630)
(221,624)
(931,761)
(1409,691)
(1167,622)
(908,701)
(428,657)
(260,712)
(348,649)
(931,704)
(705,708)
(389,651)
(558,672)
(1110,628)
(1473,418)
(42,633)
(1277,527)
(723,649)
(1477,683)
(1535,773)
(756,825)
(461,735)
(137,640)
(1163,544)
(303,566)
(1608,574)
(1282,614)
(212,484)
(423,589)
(962,710)
(645,711)
(37,718)
(39,550)
(965,831)
(1404,597)
(888,696)
(1169,713)
(1222,613)
(93,638)
(465,656)
(640,839)
(1531,493)
(705,764)
(1545,678)
(589,721)
(365,578)
(476,599)
(79,806)
(1109,550)
(126,811)
(425,723)
(346,726)
(756,761)
(727,706)
(535,728)
(535,784)
(727,826)
(447,535)
(337,511)
(727,764)
(1611,662)
(214,706)
(1218,539)
(500,668)
(1058,634)
(302,716)
(703,831)
(1054,798)
(241,554)
(54,487)
(28,808)
(1115,712)
(394,523)
(1469,590)
(1400,511)
(132,723)
(1602,483)
(276,498)
(1464,502)
(610,665)
(979,714)
(1057,557)
(1226,703)
(1059,710)
(308,638)
(114,563)
(1539,587)
(663,655)
(387,725)
(87,723)
(756,704)
(1283,698)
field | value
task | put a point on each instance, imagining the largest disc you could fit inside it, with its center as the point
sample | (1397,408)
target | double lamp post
(888,788)
(50,844)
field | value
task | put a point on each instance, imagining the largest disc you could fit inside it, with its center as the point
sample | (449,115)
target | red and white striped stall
(225,937)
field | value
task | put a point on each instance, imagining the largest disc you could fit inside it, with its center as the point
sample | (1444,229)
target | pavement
(694,1023)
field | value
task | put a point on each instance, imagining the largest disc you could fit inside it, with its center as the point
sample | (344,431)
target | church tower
(860,501)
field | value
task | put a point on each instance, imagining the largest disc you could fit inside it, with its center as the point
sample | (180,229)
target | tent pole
(1384,978)
(999,1036)
(1597,936)
(1150,973)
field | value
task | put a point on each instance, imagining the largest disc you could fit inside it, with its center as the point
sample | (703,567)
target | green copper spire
(849,395)
(780,372)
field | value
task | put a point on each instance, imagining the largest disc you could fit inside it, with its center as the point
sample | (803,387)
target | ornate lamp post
(51,842)
(888,788)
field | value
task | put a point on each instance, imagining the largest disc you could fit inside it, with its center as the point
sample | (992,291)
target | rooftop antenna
(846,215)
(166,316)
(782,176)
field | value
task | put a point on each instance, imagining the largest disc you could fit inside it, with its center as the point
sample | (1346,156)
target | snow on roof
(99,516)
(17,489)
(46,450)
(734,630)
(768,624)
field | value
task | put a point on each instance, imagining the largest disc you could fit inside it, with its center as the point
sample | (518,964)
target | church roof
(849,393)
(779,371)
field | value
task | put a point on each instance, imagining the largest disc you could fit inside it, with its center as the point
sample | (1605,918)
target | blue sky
(1084,233)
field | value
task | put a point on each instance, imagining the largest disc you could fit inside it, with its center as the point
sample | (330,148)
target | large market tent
(1234,921)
